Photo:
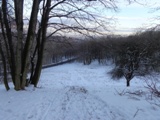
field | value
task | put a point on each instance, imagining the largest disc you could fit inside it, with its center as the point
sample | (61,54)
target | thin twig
(136,113)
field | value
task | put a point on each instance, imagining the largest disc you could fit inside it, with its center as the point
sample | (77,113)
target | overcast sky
(131,18)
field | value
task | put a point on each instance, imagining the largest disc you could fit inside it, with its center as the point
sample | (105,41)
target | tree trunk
(32,60)
(128,83)
(11,56)
(41,42)
(4,68)
(3,55)
(128,76)
(19,22)
(30,37)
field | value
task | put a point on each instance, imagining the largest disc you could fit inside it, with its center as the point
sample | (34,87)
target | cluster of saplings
(133,55)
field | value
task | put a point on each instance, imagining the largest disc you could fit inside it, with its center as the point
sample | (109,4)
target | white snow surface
(75,91)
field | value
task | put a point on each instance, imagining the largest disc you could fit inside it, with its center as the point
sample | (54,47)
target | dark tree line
(134,55)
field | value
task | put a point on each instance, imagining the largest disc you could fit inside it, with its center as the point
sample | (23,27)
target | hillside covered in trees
(139,53)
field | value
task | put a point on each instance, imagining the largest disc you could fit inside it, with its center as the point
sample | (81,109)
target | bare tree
(131,65)
(47,18)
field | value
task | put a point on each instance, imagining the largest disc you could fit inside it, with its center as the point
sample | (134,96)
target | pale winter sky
(133,17)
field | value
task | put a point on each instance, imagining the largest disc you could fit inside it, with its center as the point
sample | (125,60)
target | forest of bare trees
(23,38)
(42,37)
(134,55)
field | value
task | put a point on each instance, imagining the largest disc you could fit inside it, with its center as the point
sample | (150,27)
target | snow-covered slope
(77,92)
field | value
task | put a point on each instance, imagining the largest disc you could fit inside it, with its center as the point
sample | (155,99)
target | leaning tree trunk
(36,50)
(3,56)
(9,42)
(41,42)
(30,38)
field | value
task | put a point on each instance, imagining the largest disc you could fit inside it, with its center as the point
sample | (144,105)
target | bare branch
(79,15)
(58,3)
(137,112)
(123,92)
(153,88)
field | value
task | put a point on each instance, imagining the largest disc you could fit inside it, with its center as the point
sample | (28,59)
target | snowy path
(77,92)
(74,103)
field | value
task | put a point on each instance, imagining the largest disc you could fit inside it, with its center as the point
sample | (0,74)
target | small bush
(117,73)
